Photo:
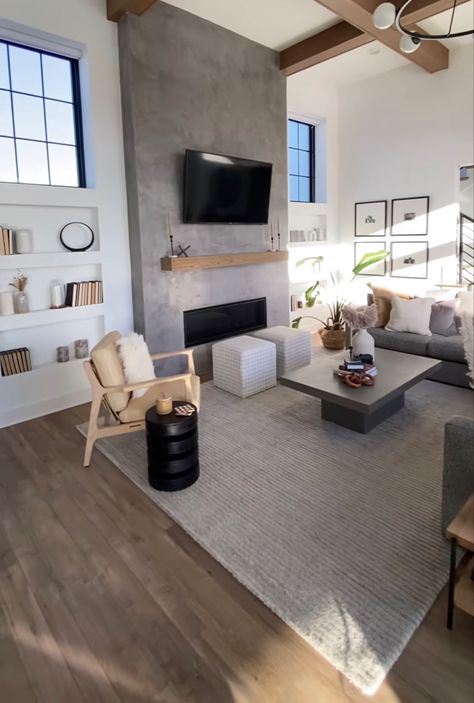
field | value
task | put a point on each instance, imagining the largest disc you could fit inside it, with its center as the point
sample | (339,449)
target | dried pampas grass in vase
(360,318)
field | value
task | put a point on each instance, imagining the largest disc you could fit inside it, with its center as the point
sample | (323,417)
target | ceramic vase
(363,343)
(21,302)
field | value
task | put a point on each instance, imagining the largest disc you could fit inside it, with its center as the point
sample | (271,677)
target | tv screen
(225,189)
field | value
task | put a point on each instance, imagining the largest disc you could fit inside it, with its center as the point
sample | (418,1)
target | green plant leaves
(311,295)
(369,259)
(313,260)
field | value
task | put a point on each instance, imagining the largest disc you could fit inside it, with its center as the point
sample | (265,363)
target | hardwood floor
(104,598)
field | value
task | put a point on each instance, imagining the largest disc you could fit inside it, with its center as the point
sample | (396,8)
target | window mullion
(13,113)
(45,120)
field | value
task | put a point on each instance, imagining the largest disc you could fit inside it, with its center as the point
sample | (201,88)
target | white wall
(83,23)
(312,100)
(406,133)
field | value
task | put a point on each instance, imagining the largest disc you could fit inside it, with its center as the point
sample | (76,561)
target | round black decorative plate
(76,236)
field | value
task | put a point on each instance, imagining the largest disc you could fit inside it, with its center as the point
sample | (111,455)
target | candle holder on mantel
(170,235)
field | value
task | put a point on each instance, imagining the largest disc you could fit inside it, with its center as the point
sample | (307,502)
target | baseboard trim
(46,406)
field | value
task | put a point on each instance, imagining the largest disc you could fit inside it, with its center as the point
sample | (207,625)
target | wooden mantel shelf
(194,263)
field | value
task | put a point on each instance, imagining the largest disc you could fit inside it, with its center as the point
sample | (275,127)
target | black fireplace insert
(219,321)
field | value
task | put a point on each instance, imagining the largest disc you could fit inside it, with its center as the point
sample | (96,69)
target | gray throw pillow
(442,317)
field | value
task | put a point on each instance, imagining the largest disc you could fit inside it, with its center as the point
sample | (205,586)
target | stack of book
(6,241)
(14,361)
(84,293)
(294,302)
(356,366)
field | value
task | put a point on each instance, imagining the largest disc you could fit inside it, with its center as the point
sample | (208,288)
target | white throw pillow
(410,315)
(136,360)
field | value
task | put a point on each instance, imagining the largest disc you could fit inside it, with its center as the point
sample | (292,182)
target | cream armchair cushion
(109,369)
(137,407)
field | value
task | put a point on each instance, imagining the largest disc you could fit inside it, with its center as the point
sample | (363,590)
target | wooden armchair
(124,413)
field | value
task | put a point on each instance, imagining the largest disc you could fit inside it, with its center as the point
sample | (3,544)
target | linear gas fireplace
(219,321)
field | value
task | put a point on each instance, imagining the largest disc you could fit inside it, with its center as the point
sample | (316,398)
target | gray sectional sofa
(449,350)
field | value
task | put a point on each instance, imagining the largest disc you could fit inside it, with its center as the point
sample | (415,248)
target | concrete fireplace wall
(187,83)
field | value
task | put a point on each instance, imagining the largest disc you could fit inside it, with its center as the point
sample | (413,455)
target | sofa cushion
(109,369)
(447,348)
(382,297)
(406,342)
(442,320)
(410,315)
(137,407)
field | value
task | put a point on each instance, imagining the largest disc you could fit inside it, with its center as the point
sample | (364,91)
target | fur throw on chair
(136,360)
(466,313)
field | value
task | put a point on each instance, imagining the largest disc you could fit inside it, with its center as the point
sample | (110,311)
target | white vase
(23,241)
(363,343)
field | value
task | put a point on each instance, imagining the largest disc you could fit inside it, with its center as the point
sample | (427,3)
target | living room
(202,553)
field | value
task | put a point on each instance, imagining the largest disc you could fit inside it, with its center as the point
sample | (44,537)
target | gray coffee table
(361,409)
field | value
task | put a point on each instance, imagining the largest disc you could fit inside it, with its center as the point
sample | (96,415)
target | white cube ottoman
(244,365)
(293,347)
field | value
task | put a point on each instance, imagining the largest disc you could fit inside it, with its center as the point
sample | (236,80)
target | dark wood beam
(116,9)
(345,36)
(325,45)
(432,56)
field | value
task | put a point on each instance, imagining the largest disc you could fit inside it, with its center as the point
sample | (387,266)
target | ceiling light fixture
(386,15)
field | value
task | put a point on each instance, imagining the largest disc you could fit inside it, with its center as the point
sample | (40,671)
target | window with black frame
(301,161)
(40,118)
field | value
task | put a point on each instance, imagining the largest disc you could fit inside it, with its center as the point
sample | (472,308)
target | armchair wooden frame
(110,424)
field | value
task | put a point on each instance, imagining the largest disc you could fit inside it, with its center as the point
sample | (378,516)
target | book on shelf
(79,293)
(294,302)
(6,241)
(14,361)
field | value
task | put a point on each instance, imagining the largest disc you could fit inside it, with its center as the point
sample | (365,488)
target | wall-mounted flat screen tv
(225,189)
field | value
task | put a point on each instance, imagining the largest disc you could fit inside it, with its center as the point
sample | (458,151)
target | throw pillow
(136,360)
(443,315)
(383,301)
(410,315)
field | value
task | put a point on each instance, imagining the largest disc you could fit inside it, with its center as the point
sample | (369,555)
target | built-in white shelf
(37,318)
(49,259)
(43,370)
(306,245)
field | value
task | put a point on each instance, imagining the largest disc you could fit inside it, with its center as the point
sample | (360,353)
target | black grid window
(40,118)
(301,161)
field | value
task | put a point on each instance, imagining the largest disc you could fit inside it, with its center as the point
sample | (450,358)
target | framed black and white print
(370,219)
(362,248)
(409,259)
(410,217)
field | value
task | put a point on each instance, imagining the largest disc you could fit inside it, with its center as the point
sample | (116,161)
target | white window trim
(320,173)
(37,39)
(45,41)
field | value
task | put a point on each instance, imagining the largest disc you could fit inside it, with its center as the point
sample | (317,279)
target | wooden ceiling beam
(346,36)
(325,45)
(116,9)
(432,56)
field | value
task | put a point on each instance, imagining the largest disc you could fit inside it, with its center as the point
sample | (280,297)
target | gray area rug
(338,533)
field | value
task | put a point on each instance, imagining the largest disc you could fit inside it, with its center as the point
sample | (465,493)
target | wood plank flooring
(104,599)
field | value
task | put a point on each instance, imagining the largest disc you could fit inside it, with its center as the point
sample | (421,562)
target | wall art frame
(409,216)
(370,218)
(409,259)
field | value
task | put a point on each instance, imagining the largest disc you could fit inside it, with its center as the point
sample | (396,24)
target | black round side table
(172,447)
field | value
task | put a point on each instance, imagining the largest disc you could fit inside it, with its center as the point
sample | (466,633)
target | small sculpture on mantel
(182,251)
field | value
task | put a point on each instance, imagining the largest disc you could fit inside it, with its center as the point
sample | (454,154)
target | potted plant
(333,333)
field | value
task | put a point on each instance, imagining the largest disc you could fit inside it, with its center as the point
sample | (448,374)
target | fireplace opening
(220,321)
